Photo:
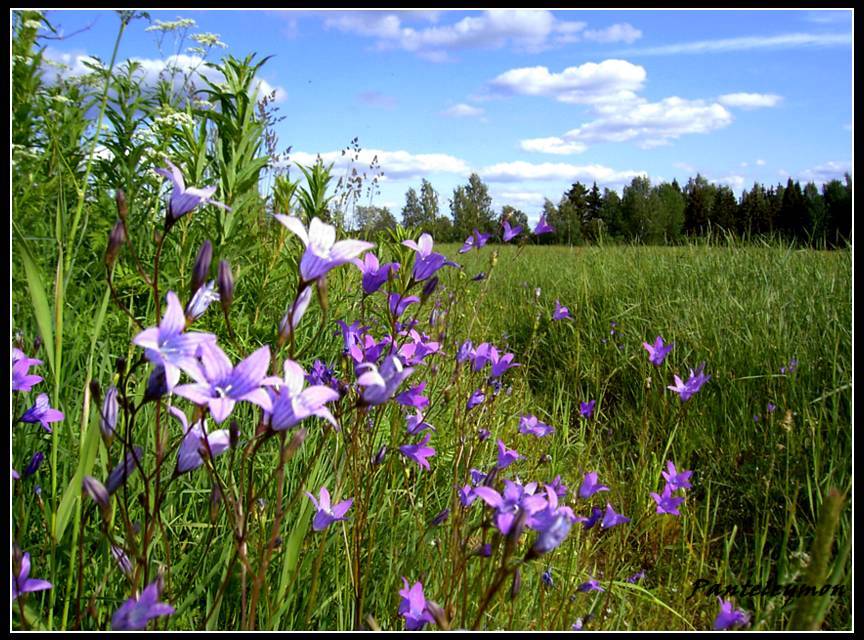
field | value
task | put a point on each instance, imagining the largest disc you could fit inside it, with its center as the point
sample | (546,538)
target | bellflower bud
(516,587)
(120,199)
(115,240)
(108,419)
(226,285)
(96,490)
(201,267)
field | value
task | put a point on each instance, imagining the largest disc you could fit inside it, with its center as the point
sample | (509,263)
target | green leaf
(89,440)
(36,286)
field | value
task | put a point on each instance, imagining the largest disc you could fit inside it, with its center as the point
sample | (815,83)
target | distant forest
(664,213)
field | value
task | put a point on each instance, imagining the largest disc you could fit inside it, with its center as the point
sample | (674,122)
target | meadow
(219,421)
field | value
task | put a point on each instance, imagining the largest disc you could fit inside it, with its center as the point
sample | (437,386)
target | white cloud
(610,81)
(552,145)
(736,183)
(151,70)
(783,41)
(622,32)
(394,164)
(519,198)
(689,168)
(463,110)
(519,170)
(527,30)
(652,124)
(825,172)
(760,162)
(750,100)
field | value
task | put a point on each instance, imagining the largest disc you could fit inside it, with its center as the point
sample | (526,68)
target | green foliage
(471,208)
(313,195)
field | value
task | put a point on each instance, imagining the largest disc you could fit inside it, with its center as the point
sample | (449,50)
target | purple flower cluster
(658,351)
(686,390)
(675,480)
(41,412)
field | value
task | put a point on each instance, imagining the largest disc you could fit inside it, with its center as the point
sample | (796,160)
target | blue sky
(534,100)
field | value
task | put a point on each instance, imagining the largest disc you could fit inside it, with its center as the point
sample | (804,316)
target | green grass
(750,517)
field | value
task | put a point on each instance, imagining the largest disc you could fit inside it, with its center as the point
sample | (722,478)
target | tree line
(664,213)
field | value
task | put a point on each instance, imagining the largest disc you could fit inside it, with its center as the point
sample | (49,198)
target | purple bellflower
(381,384)
(123,470)
(23,583)
(419,452)
(291,320)
(590,486)
(510,232)
(478,397)
(183,200)
(426,262)
(685,390)
(543,227)
(413,606)
(530,424)
(465,352)
(587,408)
(596,514)
(325,513)
(611,519)
(220,386)
(413,397)
(42,412)
(591,585)
(135,613)
(558,487)
(292,403)
(193,448)
(657,352)
(667,503)
(501,364)
(675,479)
(399,303)
(475,241)
(636,577)
(167,346)
(561,312)
(508,505)
(416,424)
(729,617)
(553,533)
(200,302)
(374,273)
(322,253)
(506,456)
(467,495)
(22,380)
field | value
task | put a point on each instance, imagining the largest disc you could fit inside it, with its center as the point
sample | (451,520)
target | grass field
(761,475)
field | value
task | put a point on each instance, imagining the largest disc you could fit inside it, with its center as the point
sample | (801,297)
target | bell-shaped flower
(322,253)
(183,200)
(42,412)
(374,273)
(167,345)
(23,583)
(136,612)
(325,514)
(413,606)
(293,404)
(380,384)
(22,380)
(220,386)
(510,232)
(196,441)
